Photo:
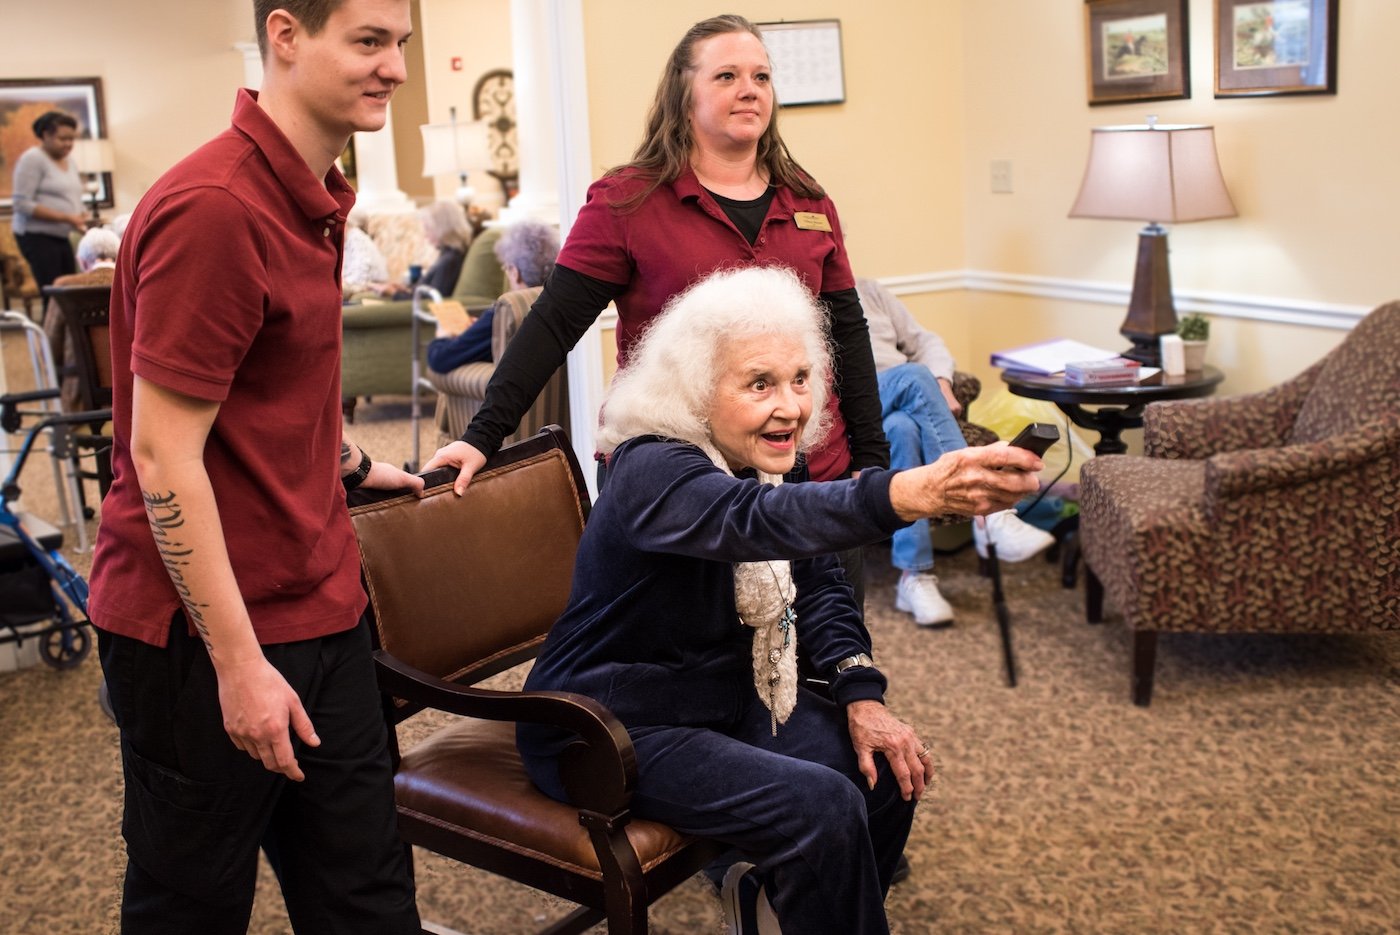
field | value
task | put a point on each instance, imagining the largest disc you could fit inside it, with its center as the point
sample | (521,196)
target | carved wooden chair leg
(1144,662)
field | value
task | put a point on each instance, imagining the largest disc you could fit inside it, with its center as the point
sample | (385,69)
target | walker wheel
(65,647)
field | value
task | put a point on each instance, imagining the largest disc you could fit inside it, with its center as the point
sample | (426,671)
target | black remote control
(1036,437)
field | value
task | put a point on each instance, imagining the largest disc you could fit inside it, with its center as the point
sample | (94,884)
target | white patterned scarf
(764,595)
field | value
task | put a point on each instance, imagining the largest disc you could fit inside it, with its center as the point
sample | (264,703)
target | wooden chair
(462,588)
(85,318)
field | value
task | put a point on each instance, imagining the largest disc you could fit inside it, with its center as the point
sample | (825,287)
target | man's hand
(946,386)
(875,730)
(969,481)
(458,454)
(384,476)
(260,710)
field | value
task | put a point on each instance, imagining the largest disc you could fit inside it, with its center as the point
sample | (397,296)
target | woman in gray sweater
(48,199)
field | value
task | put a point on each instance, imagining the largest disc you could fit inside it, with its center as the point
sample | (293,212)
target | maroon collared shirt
(679,235)
(227,289)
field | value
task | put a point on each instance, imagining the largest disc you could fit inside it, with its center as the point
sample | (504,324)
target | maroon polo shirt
(679,235)
(227,290)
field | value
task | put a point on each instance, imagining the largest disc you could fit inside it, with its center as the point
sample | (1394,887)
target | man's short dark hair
(310,13)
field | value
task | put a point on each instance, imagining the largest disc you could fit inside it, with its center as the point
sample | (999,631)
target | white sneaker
(745,903)
(917,593)
(1016,540)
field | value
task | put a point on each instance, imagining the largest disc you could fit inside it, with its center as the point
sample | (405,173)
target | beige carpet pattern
(1259,794)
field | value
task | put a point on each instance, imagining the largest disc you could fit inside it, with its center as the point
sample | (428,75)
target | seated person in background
(445,225)
(915,373)
(526,251)
(362,267)
(97,258)
(700,571)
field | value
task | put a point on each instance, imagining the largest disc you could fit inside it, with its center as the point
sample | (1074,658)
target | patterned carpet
(1259,794)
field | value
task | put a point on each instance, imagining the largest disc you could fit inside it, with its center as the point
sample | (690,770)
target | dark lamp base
(1146,351)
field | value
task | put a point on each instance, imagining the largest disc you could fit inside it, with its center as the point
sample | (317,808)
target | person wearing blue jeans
(918,411)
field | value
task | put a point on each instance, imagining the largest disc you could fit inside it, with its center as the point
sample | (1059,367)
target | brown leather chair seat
(471,776)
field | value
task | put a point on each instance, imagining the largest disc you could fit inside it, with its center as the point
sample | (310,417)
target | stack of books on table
(1102,372)
(1048,357)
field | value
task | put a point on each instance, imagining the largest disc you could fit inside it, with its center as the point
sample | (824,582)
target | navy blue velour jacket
(651,629)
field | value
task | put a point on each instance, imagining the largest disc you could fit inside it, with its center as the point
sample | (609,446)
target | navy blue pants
(795,804)
(198,808)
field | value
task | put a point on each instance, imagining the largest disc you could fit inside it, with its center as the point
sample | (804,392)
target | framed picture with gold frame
(1136,50)
(1266,47)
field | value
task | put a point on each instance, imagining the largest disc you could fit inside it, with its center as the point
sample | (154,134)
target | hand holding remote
(1036,438)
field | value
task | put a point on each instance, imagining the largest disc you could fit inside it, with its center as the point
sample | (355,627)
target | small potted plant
(1194,330)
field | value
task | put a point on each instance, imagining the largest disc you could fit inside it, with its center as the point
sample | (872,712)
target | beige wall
(1314,179)
(897,188)
(168,74)
(477,32)
(935,90)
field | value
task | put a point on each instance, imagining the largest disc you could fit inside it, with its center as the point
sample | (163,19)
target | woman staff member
(712,186)
(700,572)
(48,199)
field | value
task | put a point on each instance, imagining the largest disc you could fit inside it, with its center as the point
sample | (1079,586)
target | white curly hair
(667,387)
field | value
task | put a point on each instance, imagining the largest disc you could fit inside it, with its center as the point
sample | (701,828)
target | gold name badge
(812,221)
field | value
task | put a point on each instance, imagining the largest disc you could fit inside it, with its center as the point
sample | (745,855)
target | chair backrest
(552,405)
(511,309)
(465,587)
(85,316)
(482,277)
(1357,380)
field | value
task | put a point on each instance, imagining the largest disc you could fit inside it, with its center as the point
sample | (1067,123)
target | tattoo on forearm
(345,461)
(165,517)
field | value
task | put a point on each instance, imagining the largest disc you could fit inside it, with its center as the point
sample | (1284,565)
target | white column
(252,64)
(534,25)
(376,170)
(551,92)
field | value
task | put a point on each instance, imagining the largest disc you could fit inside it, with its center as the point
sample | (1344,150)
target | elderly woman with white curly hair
(699,572)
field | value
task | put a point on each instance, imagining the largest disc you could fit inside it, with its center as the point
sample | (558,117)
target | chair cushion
(1144,533)
(470,776)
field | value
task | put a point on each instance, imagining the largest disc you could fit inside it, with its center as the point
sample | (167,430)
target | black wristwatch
(858,661)
(357,477)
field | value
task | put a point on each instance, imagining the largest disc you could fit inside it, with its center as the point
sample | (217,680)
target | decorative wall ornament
(493,101)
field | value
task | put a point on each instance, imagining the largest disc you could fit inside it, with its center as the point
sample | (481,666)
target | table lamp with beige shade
(1159,174)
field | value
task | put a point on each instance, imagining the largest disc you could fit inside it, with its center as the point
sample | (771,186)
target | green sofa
(377,337)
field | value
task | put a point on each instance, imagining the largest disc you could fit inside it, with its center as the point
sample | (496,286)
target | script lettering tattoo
(345,462)
(166,518)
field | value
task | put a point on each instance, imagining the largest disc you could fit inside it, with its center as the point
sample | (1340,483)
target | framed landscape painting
(23,100)
(1136,50)
(1275,47)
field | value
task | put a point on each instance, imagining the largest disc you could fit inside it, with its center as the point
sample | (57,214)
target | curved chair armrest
(1199,428)
(467,380)
(359,315)
(605,756)
(1372,446)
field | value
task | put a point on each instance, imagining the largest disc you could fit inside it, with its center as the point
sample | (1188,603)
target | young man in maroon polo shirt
(226,582)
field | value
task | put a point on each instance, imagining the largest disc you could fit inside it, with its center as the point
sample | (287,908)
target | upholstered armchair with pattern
(1270,512)
(461,392)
